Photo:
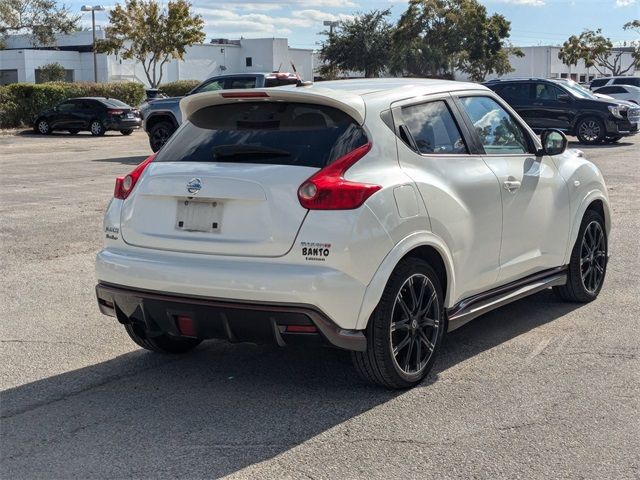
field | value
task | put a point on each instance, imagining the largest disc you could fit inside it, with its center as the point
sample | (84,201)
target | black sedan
(95,114)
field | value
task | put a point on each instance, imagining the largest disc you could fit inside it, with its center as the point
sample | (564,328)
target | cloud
(530,3)
(320,16)
(625,3)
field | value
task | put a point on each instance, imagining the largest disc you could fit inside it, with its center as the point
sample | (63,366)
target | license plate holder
(199,215)
(129,115)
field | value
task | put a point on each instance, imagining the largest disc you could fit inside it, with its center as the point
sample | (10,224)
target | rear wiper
(250,151)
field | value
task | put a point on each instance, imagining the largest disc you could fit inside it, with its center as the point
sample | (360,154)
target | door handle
(511,185)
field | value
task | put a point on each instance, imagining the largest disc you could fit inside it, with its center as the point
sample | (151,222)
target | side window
(499,132)
(211,86)
(67,106)
(544,91)
(635,81)
(240,82)
(515,92)
(433,128)
(606,90)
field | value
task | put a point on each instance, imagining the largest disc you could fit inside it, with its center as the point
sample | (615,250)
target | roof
(368,86)
(352,96)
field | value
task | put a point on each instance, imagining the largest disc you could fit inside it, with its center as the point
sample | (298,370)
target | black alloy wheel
(96,128)
(406,328)
(415,321)
(588,264)
(590,131)
(159,134)
(42,126)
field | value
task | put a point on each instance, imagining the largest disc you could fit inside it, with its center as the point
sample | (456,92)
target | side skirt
(472,307)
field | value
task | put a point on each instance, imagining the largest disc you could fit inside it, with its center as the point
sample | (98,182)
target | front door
(535,198)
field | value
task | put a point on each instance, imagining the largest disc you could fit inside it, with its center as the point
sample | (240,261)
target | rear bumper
(235,321)
(123,124)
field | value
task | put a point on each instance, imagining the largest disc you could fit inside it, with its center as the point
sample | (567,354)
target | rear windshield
(112,102)
(281,133)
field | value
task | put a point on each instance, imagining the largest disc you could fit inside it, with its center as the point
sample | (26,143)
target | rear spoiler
(351,104)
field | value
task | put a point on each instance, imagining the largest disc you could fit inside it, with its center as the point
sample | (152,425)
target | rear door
(535,198)
(226,182)
(460,192)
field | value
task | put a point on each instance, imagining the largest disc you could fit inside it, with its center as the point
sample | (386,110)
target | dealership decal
(315,251)
(112,233)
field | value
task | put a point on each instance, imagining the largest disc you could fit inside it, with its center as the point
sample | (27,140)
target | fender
(590,197)
(375,288)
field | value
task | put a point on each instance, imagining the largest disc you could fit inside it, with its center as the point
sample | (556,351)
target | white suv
(374,215)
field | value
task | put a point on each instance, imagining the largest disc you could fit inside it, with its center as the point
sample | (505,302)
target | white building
(543,62)
(20,61)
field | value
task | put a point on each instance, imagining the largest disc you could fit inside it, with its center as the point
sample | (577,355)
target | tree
(634,25)
(41,19)
(144,31)
(434,38)
(52,72)
(597,51)
(360,44)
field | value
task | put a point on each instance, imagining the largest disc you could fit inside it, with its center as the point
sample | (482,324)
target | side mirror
(563,98)
(554,142)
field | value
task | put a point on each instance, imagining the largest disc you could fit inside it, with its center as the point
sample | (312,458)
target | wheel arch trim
(376,286)
(591,197)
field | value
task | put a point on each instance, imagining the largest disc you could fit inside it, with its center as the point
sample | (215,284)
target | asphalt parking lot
(538,389)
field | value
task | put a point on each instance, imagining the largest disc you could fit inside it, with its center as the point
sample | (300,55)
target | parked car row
(606,114)
(162,117)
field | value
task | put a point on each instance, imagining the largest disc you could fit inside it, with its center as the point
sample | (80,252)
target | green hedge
(21,102)
(178,88)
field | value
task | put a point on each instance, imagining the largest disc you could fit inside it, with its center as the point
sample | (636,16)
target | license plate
(199,215)
(129,115)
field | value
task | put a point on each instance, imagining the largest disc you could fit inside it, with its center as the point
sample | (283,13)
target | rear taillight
(328,189)
(124,185)
(114,112)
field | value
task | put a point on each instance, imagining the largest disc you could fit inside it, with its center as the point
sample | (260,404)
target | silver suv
(162,117)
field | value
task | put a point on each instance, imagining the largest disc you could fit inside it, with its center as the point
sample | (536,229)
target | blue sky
(533,22)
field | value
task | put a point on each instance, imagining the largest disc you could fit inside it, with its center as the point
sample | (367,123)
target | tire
(126,132)
(73,131)
(590,131)
(159,134)
(612,139)
(96,128)
(587,267)
(385,331)
(42,127)
(163,343)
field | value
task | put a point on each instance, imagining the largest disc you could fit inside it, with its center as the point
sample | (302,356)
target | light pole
(93,10)
(330,24)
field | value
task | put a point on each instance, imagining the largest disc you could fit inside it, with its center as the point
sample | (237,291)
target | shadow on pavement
(212,413)
(63,133)
(123,160)
(580,146)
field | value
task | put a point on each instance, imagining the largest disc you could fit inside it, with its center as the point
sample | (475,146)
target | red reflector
(124,185)
(115,112)
(185,326)
(301,329)
(245,95)
(328,189)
